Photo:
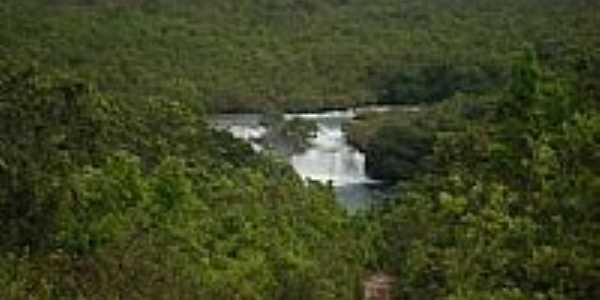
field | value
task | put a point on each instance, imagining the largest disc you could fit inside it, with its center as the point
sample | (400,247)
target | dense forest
(296,54)
(114,186)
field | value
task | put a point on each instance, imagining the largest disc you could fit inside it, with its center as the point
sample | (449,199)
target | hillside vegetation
(113,186)
(294,54)
(105,198)
(508,206)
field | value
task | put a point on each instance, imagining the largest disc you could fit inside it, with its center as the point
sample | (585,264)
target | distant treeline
(296,54)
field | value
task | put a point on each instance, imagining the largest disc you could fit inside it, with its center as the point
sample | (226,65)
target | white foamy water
(329,159)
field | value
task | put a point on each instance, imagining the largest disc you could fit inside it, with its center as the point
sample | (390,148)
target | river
(329,159)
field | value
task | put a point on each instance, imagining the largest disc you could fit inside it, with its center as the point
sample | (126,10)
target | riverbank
(362,129)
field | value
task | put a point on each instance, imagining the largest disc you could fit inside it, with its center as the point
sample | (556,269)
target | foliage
(432,83)
(512,211)
(106,198)
(113,187)
(296,54)
(399,144)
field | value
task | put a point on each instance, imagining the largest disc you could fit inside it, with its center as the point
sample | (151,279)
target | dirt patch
(378,287)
